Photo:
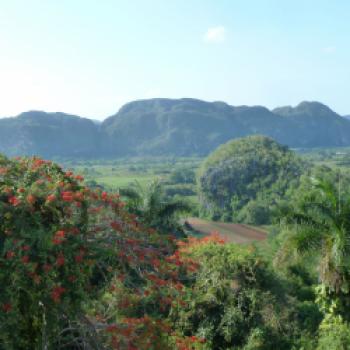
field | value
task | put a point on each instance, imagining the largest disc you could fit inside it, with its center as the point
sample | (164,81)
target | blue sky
(89,57)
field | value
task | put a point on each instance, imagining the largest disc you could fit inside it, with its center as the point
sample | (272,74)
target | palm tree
(319,221)
(154,208)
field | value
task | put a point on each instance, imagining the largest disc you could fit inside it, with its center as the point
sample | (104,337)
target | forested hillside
(163,127)
(49,135)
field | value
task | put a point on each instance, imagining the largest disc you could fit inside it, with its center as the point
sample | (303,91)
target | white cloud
(215,35)
(329,49)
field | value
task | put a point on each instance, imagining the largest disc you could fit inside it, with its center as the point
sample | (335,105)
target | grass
(124,180)
(119,173)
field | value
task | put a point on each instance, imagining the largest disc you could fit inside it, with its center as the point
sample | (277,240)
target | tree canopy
(243,179)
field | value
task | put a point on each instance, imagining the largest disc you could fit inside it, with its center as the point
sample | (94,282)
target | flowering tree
(77,269)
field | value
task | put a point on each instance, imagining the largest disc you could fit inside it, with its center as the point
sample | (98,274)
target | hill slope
(49,135)
(164,127)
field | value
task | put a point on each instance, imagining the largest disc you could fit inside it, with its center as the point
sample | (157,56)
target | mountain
(185,127)
(315,125)
(49,135)
(194,127)
(164,127)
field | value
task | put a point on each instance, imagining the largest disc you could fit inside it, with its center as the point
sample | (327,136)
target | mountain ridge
(162,126)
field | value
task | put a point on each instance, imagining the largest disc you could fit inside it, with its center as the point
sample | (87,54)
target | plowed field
(236,233)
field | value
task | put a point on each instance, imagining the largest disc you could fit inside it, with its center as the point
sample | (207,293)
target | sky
(89,57)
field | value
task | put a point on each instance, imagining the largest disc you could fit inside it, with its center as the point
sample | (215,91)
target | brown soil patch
(237,233)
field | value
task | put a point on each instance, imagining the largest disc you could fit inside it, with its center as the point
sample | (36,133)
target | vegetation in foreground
(83,268)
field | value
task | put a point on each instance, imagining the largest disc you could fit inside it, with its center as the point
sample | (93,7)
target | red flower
(60,234)
(67,196)
(104,195)
(25,259)
(58,237)
(47,268)
(60,260)
(25,248)
(7,307)
(51,198)
(31,199)
(78,259)
(56,293)
(72,278)
(21,190)
(75,230)
(116,226)
(14,201)
(38,162)
(10,254)
(155,262)
(111,328)
(79,178)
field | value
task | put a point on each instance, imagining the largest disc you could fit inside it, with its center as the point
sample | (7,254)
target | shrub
(334,334)
(232,302)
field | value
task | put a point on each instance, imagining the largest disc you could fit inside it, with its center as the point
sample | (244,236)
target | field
(118,173)
(115,181)
(233,233)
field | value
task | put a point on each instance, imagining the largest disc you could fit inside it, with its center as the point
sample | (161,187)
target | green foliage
(236,301)
(334,334)
(182,176)
(80,268)
(318,218)
(244,178)
(255,212)
(154,208)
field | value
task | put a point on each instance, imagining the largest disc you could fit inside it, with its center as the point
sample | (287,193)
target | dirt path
(237,233)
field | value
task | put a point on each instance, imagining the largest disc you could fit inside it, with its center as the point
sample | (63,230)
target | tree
(319,223)
(244,170)
(77,270)
(154,208)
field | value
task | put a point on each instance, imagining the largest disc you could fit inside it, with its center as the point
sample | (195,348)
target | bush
(334,334)
(234,301)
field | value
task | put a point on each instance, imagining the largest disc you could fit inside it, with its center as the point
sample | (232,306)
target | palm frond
(130,193)
(170,209)
(306,239)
